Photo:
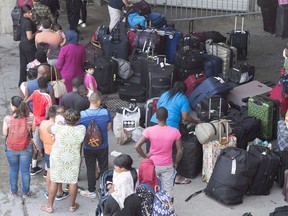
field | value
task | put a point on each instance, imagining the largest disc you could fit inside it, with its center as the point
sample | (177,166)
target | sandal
(47,209)
(74,208)
(183,181)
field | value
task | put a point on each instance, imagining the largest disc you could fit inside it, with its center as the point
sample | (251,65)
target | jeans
(22,160)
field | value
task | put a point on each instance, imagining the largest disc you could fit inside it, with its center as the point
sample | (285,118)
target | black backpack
(16,15)
(146,195)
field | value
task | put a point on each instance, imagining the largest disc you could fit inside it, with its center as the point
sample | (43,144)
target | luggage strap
(193,195)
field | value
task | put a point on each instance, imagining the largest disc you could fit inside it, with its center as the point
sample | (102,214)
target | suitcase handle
(242,23)
(191,26)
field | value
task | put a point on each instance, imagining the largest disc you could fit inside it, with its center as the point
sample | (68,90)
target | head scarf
(72,37)
(147,173)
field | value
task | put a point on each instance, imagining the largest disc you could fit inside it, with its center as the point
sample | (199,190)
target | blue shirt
(179,103)
(102,117)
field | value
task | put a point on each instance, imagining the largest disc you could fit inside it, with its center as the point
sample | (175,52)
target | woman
(65,158)
(122,200)
(19,157)
(27,47)
(178,108)
(71,60)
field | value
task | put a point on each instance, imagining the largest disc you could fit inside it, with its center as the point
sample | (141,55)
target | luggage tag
(233,167)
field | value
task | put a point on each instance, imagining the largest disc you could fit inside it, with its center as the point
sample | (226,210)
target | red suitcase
(193,81)
(277,94)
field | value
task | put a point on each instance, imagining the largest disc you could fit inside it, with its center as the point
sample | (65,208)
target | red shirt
(22,2)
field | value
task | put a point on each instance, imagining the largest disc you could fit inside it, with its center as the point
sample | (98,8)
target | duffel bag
(146,38)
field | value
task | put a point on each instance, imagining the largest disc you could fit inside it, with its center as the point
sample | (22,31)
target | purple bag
(146,38)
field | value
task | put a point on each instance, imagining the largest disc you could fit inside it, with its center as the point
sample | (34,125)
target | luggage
(189,42)
(209,87)
(132,93)
(267,110)
(266,172)
(241,73)
(282,21)
(93,49)
(106,70)
(139,64)
(100,31)
(146,39)
(135,20)
(280,211)
(212,65)
(157,20)
(141,7)
(190,164)
(171,45)
(239,95)
(193,81)
(282,137)
(269,19)
(151,107)
(233,173)
(239,39)
(124,68)
(282,167)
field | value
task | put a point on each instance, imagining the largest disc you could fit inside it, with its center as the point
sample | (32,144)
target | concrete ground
(265,53)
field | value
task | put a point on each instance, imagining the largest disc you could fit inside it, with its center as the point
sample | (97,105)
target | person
(18,159)
(147,173)
(48,141)
(73,100)
(178,108)
(31,74)
(115,11)
(71,59)
(41,102)
(40,12)
(161,149)
(65,158)
(122,199)
(102,118)
(40,58)
(54,6)
(73,13)
(56,27)
(89,80)
(82,22)
(27,47)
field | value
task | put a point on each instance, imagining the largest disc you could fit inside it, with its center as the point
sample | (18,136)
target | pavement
(265,53)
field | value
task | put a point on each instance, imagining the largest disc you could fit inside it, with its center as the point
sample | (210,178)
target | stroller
(107,176)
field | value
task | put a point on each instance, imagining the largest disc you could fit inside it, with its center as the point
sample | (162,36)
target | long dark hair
(179,87)
(22,109)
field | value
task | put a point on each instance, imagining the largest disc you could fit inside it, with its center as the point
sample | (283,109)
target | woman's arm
(186,116)
(30,35)
(5,128)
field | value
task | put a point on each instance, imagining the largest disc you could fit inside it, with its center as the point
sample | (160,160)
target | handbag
(59,86)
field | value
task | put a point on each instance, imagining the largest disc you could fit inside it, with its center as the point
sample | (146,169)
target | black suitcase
(239,40)
(265,176)
(190,164)
(233,173)
(269,19)
(282,21)
(106,70)
(132,93)
(139,64)
(282,167)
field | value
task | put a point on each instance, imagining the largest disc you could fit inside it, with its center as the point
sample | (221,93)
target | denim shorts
(47,161)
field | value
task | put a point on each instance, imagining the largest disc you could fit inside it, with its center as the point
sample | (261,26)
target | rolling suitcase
(266,172)
(139,64)
(212,65)
(106,70)
(233,173)
(239,39)
(282,21)
(93,49)
(171,42)
(282,167)
(209,87)
(193,81)
(132,93)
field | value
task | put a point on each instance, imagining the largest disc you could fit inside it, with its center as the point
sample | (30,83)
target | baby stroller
(107,176)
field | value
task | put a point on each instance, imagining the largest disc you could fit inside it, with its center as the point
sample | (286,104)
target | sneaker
(88,194)
(29,194)
(46,194)
(83,25)
(45,174)
(14,195)
(62,196)
(80,22)
(35,170)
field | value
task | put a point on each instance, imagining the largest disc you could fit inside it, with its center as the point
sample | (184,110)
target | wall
(6,7)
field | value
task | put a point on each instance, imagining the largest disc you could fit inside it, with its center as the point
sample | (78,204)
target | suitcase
(212,65)
(233,173)
(266,172)
(282,137)
(269,19)
(267,111)
(189,42)
(93,49)
(139,64)
(132,93)
(280,211)
(283,165)
(209,87)
(239,39)
(151,107)
(241,73)
(190,164)
(193,81)
(171,45)
(282,21)
(239,95)
(106,70)
(157,20)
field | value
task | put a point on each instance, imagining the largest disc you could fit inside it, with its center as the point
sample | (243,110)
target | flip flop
(74,208)
(47,209)
(184,181)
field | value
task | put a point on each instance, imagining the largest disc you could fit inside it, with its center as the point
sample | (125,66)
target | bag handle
(131,111)
(55,72)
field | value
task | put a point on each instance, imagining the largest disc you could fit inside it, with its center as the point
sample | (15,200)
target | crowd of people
(56,128)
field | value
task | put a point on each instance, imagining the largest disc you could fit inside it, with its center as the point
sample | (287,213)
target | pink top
(161,140)
(90,79)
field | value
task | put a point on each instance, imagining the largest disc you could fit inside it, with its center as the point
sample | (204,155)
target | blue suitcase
(209,87)
(212,65)
(171,45)
(157,20)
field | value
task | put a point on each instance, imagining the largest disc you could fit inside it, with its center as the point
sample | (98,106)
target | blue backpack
(162,205)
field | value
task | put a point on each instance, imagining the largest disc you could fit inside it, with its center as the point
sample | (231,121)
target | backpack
(162,205)
(16,15)
(146,195)
(93,134)
(18,137)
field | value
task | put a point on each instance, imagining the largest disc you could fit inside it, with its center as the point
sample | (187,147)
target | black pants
(84,11)
(27,54)
(91,156)
(73,13)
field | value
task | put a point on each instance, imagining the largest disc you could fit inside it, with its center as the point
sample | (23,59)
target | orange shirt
(45,136)
(52,38)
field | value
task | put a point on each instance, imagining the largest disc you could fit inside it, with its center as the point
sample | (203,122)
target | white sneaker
(80,22)
(83,25)
(88,194)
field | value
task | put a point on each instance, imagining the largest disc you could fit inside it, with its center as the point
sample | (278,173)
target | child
(31,75)
(58,29)
(89,79)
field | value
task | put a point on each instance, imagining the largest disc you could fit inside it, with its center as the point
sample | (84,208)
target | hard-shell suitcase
(139,64)
(282,21)
(282,137)
(268,112)
(171,42)
(193,81)
(239,95)
(266,172)
(132,93)
(282,167)
(232,175)
(212,65)
(190,164)
(239,39)
(106,70)
(209,87)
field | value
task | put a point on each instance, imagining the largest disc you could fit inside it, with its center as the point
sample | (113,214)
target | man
(54,6)
(92,154)
(161,139)
(41,11)
(73,100)
(73,13)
